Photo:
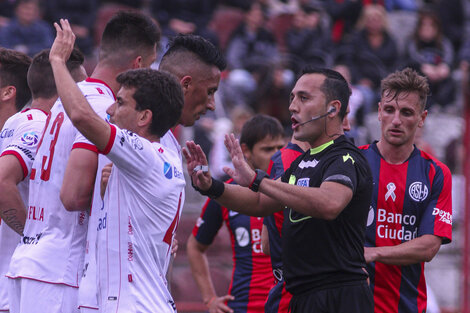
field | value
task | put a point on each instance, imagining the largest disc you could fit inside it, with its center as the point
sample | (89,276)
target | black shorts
(343,299)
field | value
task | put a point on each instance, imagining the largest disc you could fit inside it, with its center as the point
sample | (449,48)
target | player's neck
(395,154)
(108,75)
(7,109)
(43,104)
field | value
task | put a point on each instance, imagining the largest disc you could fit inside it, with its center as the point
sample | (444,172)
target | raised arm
(90,124)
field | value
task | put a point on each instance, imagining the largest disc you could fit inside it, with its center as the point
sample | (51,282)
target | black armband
(215,190)
(260,175)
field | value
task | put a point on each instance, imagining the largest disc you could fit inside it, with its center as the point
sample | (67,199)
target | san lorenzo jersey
(278,299)
(318,253)
(19,137)
(252,275)
(53,245)
(142,207)
(409,200)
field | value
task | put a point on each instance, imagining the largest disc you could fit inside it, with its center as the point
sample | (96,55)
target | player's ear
(379,115)
(185,83)
(137,63)
(246,151)
(145,118)
(423,117)
(7,93)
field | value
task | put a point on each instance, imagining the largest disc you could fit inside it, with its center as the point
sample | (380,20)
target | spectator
(431,53)
(81,15)
(375,52)
(26,32)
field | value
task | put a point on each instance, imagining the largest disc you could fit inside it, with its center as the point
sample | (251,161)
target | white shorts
(31,296)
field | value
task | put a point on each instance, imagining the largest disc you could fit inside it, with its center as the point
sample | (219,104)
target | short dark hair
(13,70)
(128,31)
(158,92)
(203,49)
(405,81)
(335,87)
(40,77)
(259,127)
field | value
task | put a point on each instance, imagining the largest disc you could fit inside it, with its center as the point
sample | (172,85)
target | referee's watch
(260,175)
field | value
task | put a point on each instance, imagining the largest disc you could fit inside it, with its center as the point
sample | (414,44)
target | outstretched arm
(75,104)
(200,270)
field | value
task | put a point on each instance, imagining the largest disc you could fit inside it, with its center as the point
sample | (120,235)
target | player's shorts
(355,298)
(31,296)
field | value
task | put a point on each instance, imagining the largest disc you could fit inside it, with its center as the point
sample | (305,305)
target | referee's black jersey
(318,253)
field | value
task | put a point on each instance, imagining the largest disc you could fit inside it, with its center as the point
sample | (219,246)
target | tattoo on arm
(10,217)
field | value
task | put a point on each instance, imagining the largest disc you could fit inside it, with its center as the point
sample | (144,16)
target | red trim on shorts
(20,159)
(41,281)
(99,81)
(112,137)
(86,146)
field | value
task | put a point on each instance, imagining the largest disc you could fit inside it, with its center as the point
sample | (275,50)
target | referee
(325,195)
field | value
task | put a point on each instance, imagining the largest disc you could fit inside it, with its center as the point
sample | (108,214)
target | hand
(174,247)
(105,173)
(63,43)
(217,304)
(242,174)
(195,156)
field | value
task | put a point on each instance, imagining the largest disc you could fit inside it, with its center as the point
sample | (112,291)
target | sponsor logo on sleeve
(26,151)
(7,133)
(444,216)
(199,222)
(418,191)
(137,144)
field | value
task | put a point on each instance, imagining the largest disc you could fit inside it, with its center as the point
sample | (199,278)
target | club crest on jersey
(137,144)
(304,182)
(305,164)
(418,191)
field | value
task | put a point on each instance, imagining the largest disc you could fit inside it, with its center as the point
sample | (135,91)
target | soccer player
(261,137)
(411,211)
(18,150)
(271,236)
(49,259)
(142,202)
(325,193)
(14,94)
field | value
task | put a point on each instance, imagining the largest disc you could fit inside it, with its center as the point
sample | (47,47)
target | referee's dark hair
(158,92)
(40,77)
(335,87)
(185,46)
(13,69)
(259,127)
(128,35)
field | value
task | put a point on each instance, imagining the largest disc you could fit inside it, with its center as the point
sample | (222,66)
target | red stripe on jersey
(279,220)
(285,300)
(20,159)
(390,201)
(174,224)
(86,146)
(270,167)
(99,81)
(112,137)
(443,208)
(422,297)
(232,242)
(261,273)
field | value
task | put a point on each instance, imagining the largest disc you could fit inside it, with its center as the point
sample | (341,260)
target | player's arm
(265,240)
(421,249)
(12,208)
(90,124)
(77,187)
(200,270)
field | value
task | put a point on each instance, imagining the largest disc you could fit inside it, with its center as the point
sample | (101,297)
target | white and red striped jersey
(52,249)
(19,137)
(142,207)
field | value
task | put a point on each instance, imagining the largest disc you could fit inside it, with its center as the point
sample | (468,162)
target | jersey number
(171,230)
(54,132)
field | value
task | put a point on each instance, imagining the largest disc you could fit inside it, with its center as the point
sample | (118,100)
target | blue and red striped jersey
(409,200)
(279,298)
(252,275)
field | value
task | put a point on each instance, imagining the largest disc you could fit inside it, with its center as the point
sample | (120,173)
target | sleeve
(129,152)
(100,103)
(209,223)
(342,169)
(24,144)
(437,216)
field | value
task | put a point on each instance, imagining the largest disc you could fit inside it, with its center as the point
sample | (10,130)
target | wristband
(215,190)
(260,175)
